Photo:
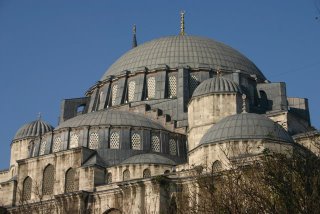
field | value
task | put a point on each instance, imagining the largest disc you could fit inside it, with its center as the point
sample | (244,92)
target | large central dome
(188,50)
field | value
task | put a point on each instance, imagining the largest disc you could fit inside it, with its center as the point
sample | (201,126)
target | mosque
(163,108)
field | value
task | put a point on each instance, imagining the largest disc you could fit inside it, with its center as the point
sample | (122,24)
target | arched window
(94,141)
(193,83)
(131,90)
(155,143)
(172,86)
(48,180)
(115,140)
(136,141)
(126,175)
(109,178)
(31,147)
(70,183)
(146,173)
(114,94)
(26,190)
(151,86)
(172,147)
(74,140)
(216,166)
(56,144)
(42,147)
(35,147)
(80,108)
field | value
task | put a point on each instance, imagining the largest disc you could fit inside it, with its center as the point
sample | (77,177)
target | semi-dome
(216,85)
(149,159)
(33,129)
(245,126)
(193,51)
(110,118)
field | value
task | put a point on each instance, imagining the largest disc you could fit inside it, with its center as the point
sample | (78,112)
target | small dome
(245,126)
(189,50)
(149,159)
(33,129)
(110,117)
(216,85)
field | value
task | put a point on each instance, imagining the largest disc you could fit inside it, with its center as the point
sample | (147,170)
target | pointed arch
(48,180)
(26,189)
(70,184)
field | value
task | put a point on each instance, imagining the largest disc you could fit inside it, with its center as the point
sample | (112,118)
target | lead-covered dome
(245,126)
(33,129)
(193,51)
(216,85)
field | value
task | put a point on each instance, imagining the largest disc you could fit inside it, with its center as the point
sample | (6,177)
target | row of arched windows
(114,142)
(150,89)
(48,183)
(126,175)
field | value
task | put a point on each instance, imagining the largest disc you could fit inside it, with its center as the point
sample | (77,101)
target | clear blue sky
(51,50)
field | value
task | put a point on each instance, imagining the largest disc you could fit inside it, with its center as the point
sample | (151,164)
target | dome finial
(182,23)
(39,116)
(244,106)
(134,40)
(218,72)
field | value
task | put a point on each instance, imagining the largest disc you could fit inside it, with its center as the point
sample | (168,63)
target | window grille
(146,173)
(74,141)
(194,82)
(136,141)
(27,187)
(115,140)
(151,85)
(114,94)
(109,178)
(56,144)
(35,149)
(94,141)
(216,166)
(172,147)
(131,90)
(70,184)
(172,86)
(126,175)
(48,180)
(155,143)
(42,147)
(31,147)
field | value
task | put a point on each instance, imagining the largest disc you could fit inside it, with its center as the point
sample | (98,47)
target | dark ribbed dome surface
(216,85)
(110,117)
(149,159)
(33,129)
(189,50)
(245,126)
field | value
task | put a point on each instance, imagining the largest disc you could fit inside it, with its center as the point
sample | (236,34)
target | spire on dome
(182,23)
(134,39)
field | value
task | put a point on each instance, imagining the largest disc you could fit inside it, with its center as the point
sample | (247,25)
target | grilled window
(57,144)
(48,180)
(109,178)
(27,187)
(42,147)
(126,175)
(94,141)
(146,173)
(131,90)
(151,85)
(115,140)
(193,83)
(155,143)
(114,94)
(172,147)
(74,141)
(136,141)
(172,89)
(216,166)
(70,184)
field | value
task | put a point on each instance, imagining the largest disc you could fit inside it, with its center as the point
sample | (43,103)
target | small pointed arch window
(172,86)
(114,139)
(114,94)
(42,147)
(26,189)
(172,147)
(31,147)
(131,90)
(146,173)
(56,144)
(155,142)
(136,141)
(94,142)
(151,87)
(126,175)
(70,183)
(48,180)
(108,177)
(74,140)
(216,166)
